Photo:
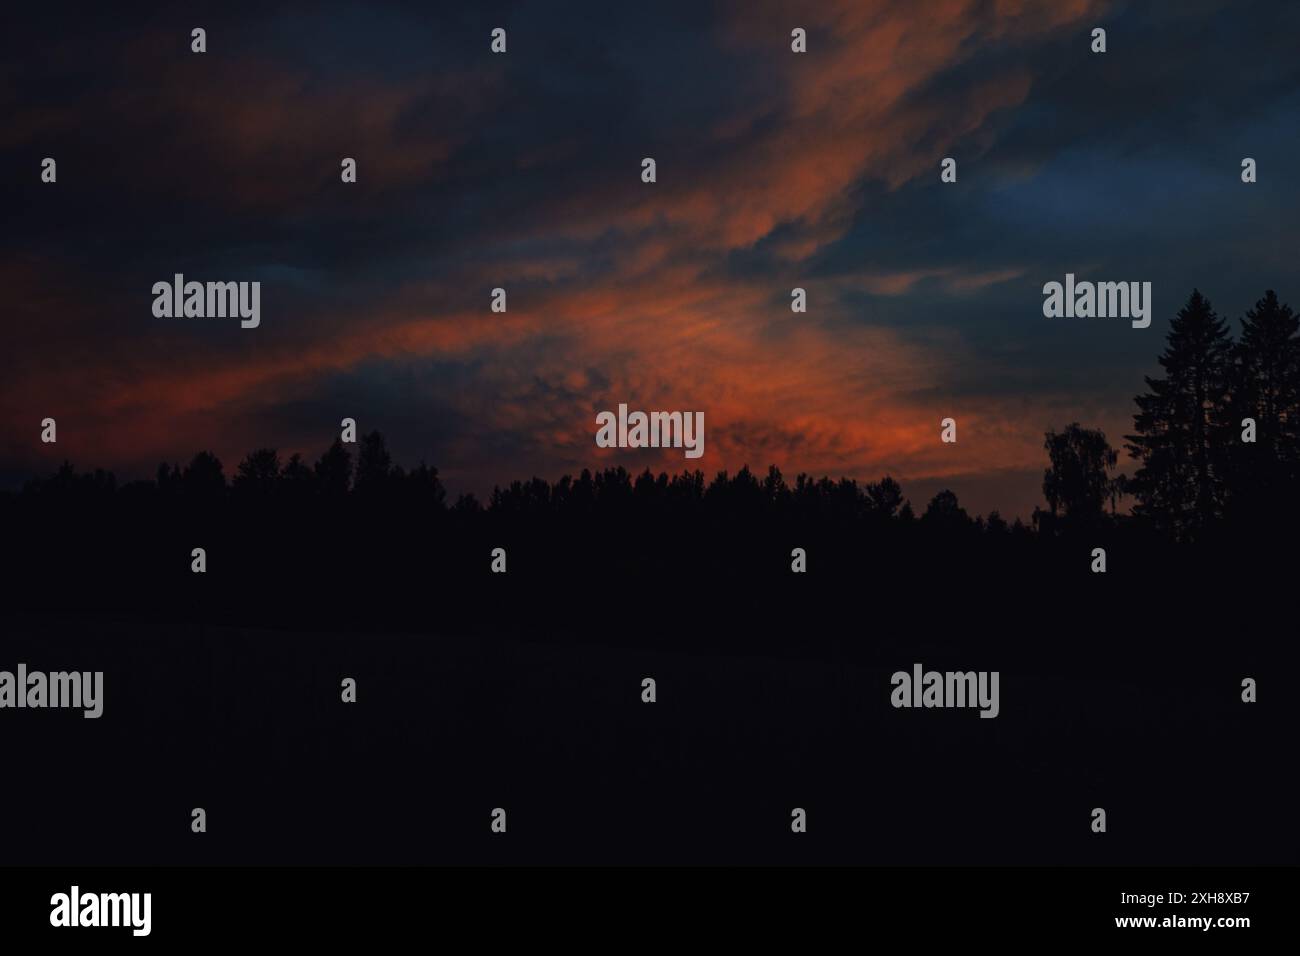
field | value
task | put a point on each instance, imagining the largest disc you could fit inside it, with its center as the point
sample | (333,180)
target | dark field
(248,724)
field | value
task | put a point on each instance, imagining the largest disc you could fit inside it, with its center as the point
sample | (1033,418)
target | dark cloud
(523,171)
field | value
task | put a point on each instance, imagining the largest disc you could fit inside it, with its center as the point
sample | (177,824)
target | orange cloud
(662,328)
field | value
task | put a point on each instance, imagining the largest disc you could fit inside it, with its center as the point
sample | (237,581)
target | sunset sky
(522,170)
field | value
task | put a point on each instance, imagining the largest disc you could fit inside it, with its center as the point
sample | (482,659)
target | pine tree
(334,470)
(374,465)
(1266,387)
(1182,426)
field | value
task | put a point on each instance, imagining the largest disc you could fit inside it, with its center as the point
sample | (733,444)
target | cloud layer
(522,171)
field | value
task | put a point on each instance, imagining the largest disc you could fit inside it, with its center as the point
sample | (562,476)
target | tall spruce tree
(1182,430)
(1266,388)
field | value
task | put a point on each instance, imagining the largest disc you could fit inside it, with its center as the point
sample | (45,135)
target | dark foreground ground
(522,690)
(249,725)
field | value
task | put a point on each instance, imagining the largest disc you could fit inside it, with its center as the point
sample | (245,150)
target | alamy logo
(211,300)
(84,690)
(103,909)
(656,430)
(1102,300)
(947,689)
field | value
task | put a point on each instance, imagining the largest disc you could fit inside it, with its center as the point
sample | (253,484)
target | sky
(522,170)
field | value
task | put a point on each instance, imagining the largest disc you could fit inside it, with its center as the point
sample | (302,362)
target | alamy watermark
(946,689)
(211,300)
(62,689)
(1102,300)
(653,430)
(75,908)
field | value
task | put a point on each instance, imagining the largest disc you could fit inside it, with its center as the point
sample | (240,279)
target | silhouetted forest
(480,689)
(353,537)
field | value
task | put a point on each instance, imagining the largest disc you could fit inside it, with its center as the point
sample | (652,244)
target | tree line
(1215,438)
